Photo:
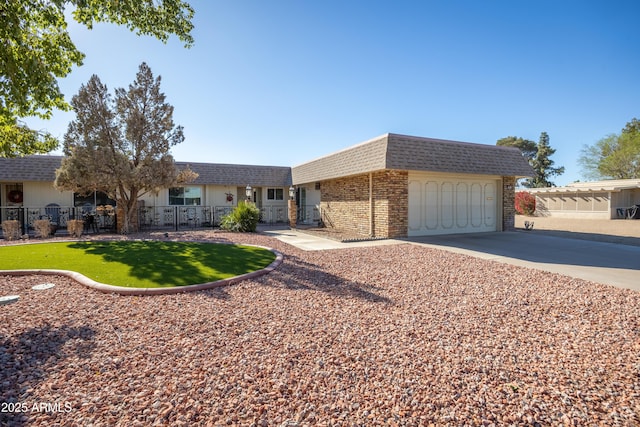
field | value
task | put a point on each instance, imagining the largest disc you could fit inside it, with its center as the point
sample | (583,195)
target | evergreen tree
(543,165)
(121,146)
(538,155)
(526,146)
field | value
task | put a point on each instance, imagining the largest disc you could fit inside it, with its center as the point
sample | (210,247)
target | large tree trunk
(127,218)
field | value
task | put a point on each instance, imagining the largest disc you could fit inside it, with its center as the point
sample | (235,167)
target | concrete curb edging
(108,289)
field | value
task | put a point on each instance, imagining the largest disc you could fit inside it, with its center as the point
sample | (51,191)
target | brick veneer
(508,203)
(345,204)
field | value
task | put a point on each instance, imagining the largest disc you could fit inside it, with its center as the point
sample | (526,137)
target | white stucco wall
(37,194)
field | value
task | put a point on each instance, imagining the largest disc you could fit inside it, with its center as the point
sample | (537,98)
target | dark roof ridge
(450,141)
(183,162)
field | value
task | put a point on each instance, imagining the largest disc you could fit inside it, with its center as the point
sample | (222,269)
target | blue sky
(284,82)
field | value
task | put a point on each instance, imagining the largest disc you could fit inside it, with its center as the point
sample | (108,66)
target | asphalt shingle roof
(29,168)
(43,168)
(239,175)
(401,152)
(389,151)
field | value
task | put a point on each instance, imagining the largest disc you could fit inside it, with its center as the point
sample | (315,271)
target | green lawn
(139,264)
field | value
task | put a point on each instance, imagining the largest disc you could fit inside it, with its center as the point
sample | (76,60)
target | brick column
(293,213)
(508,203)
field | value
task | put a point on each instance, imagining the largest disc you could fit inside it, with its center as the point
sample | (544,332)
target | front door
(256,197)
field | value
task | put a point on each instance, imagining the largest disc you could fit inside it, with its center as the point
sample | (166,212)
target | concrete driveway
(602,262)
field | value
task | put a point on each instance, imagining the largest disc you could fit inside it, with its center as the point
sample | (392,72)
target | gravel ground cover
(391,335)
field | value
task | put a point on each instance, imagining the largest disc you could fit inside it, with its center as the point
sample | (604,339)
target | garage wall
(450,204)
(368,205)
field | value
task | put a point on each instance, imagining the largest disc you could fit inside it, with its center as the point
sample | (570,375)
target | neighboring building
(594,200)
(391,186)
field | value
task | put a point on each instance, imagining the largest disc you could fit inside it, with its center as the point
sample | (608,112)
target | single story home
(592,200)
(390,186)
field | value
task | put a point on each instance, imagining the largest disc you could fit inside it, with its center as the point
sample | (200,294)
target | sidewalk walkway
(313,242)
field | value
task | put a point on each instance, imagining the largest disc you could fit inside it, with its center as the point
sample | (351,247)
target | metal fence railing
(308,215)
(184,217)
(59,216)
(100,219)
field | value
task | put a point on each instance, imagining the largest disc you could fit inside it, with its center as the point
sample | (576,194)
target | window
(96,198)
(185,196)
(275,194)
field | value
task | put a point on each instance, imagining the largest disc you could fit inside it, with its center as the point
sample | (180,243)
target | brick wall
(508,203)
(391,201)
(345,204)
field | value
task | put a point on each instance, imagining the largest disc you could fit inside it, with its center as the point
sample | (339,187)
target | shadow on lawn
(298,274)
(170,263)
(29,358)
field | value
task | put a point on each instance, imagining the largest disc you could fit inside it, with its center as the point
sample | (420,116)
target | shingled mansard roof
(388,151)
(400,152)
(224,174)
(43,169)
(29,168)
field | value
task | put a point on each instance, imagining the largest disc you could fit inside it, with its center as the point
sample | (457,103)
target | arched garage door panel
(477,213)
(490,209)
(431,206)
(444,206)
(462,205)
(415,206)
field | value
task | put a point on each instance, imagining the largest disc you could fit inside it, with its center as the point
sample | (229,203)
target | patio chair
(192,217)
(53,213)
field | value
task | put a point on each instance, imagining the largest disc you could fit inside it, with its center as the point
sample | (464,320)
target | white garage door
(440,205)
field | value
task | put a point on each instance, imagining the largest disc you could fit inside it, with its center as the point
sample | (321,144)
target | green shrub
(243,218)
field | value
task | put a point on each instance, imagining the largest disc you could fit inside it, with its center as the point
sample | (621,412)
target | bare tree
(121,146)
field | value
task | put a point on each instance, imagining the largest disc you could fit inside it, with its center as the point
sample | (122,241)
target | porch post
(293,212)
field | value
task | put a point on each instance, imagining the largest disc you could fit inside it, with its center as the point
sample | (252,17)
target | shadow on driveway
(603,262)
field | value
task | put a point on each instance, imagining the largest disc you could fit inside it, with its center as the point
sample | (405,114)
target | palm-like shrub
(243,218)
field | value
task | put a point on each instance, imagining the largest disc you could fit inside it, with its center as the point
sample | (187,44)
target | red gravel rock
(389,335)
